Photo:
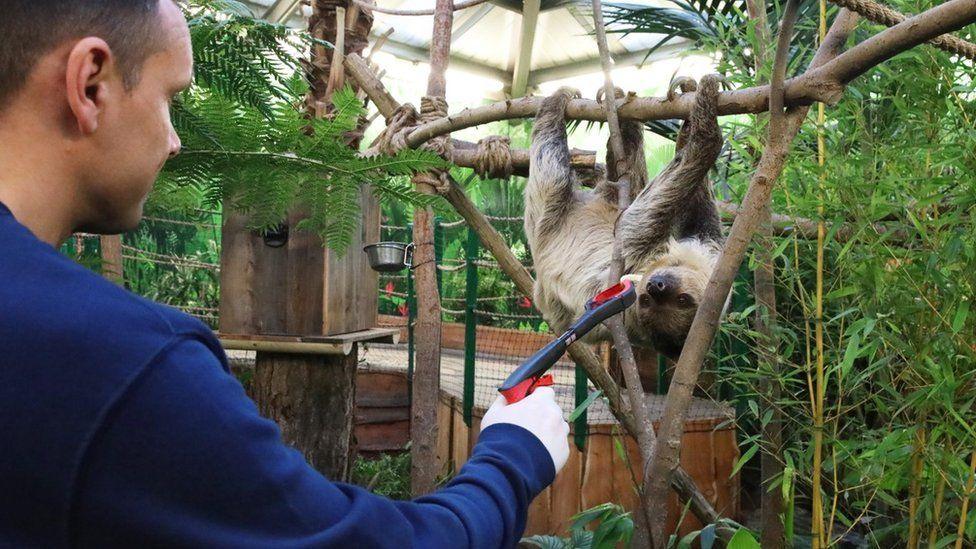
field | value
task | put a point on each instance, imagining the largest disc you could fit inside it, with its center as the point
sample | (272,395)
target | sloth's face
(667,300)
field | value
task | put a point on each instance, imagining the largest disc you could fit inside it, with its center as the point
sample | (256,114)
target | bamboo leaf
(590,399)
(962,312)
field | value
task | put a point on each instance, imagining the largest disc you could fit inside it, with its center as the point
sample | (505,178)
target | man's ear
(88,75)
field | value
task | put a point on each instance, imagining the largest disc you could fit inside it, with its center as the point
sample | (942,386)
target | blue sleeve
(184,460)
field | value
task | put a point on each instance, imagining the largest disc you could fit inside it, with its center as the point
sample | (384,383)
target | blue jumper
(121,426)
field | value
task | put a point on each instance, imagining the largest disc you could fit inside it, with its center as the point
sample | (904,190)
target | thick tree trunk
(111,248)
(311,399)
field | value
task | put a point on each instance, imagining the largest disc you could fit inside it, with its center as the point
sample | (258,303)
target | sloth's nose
(660,286)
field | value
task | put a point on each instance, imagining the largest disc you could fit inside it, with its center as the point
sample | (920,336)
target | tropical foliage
(897,197)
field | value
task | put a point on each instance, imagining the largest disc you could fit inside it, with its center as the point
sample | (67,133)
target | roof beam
(530,19)
(472,20)
(409,52)
(592,65)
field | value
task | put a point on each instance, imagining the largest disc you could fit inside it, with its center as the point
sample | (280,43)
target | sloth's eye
(684,300)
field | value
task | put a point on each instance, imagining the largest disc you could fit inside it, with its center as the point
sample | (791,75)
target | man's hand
(539,414)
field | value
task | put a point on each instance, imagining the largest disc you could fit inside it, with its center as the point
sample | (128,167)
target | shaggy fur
(671,234)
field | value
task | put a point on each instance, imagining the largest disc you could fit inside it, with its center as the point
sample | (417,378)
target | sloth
(671,235)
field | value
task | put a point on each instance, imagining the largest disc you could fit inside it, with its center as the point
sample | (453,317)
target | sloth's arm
(549,191)
(647,224)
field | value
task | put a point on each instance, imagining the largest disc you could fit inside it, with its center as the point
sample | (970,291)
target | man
(119,422)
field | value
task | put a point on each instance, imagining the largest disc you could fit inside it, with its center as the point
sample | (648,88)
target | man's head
(94,79)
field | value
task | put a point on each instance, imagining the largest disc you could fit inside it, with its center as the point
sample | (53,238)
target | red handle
(526,387)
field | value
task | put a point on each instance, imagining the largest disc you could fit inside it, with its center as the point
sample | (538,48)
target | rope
(508,315)
(884,15)
(166,259)
(494,157)
(404,119)
(433,108)
(452,224)
(178,222)
(495,265)
(485,299)
(188,308)
(519,219)
(391,11)
(393,138)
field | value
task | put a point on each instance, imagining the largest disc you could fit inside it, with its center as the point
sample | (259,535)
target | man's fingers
(543,392)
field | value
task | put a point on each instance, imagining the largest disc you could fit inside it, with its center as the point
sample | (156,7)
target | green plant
(897,197)
(614,527)
(741,537)
(245,139)
(387,475)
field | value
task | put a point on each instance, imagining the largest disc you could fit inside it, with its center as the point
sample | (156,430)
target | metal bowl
(388,257)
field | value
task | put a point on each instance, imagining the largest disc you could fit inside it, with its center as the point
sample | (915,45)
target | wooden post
(426,376)
(111,248)
(313,421)
(303,288)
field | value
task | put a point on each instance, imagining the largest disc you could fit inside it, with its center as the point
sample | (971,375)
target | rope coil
(494,158)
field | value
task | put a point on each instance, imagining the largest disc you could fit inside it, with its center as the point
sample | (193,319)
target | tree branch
(950,16)
(391,11)
(782,131)
(625,353)
(771,466)
(825,84)
(883,15)
(426,376)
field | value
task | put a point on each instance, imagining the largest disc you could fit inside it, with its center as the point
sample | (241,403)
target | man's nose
(175,145)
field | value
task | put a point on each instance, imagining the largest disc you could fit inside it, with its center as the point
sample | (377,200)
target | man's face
(135,135)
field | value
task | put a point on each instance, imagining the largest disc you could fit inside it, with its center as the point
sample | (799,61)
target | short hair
(29,29)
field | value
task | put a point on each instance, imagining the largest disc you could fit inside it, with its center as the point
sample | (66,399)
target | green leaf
(962,312)
(751,451)
(685,542)
(584,405)
(547,542)
(743,540)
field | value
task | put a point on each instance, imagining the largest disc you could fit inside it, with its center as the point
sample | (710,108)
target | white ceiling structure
(520,44)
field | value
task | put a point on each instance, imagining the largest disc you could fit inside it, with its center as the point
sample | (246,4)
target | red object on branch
(525,302)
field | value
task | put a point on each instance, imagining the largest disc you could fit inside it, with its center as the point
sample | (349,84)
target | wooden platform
(311,344)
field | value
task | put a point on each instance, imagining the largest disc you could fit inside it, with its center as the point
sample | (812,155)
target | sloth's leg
(646,226)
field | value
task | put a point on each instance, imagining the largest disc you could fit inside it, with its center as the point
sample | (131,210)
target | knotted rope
(432,108)
(393,138)
(494,153)
(494,157)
